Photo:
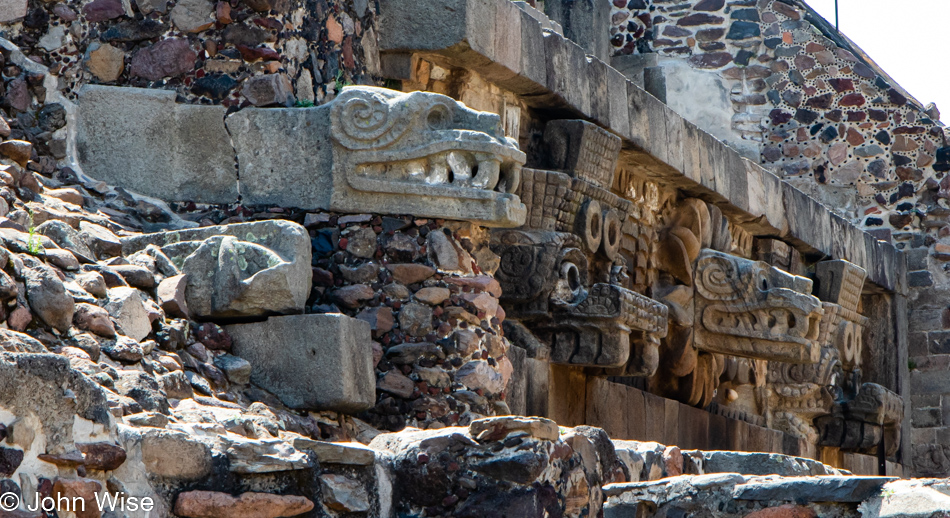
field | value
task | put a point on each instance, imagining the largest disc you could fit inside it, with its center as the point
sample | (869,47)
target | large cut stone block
(384,151)
(311,362)
(142,140)
(241,270)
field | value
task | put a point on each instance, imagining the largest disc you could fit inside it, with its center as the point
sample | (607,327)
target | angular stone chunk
(247,269)
(840,282)
(313,362)
(141,140)
(210,504)
(583,150)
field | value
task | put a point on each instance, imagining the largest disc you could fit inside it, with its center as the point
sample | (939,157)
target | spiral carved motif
(719,279)
(366,121)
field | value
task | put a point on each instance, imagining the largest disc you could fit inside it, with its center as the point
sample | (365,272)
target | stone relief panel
(563,275)
(422,146)
(724,305)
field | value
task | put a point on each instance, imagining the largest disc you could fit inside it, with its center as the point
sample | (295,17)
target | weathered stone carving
(563,274)
(722,304)
(426,149)
(582,150)
(750,309)
(862,424)
(798,393)
(242,270)
(369,150)
(545,283)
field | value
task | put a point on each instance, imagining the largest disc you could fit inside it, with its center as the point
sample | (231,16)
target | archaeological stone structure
(466,258)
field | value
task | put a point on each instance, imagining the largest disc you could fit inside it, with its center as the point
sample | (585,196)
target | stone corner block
(311,362)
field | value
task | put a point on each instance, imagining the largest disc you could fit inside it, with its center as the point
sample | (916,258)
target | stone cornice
(499,40)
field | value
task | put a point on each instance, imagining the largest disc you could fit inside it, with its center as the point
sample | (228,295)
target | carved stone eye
(438,117)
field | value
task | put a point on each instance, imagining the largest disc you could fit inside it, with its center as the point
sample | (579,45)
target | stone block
(840,282)
(812,489)
(240,270)
(635,413)
(429,156)
(11,10)
(142,140)
(930,382)
(654,420)
(311,362)
(603,401)
(919,279)
(582,150)
(585,22)
(671,422)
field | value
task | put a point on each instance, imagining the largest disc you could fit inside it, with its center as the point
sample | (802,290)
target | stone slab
(311,362)
(812,489)
(142,140)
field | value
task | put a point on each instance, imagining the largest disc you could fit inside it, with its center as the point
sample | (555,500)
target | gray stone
(268,89)
(344,494)
(48,297)
(382,168)
(246,269)
(812,489)
(191,459)
(11,10)
(317,362)
(123,349)
(752,463)
(263,456)
(181,152)
(415,319)
(238,370)
(176,385)
(127,309)
(144,389)
(192,15)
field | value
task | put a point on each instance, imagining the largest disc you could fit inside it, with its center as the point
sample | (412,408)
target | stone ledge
(495,38)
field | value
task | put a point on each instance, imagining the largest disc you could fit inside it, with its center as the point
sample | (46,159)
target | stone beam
(500,41)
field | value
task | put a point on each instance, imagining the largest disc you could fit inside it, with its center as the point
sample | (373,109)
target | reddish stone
(711,60)
(854,99)
(813,47)
(673,461)
(100,10)
(209,504)
(334,30)
(838,153)
(820,101)
(896,97)
(709,5)
(854,137)
(222,12)
(102,456)
(347,51)
(74,489)
(251,54)
(856,116)
(785,511)
(804,62)
(18,95)
(167,58)
(214,337)
(841,84)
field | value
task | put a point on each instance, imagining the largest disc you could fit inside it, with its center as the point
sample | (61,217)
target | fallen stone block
(311,362)
(242,270)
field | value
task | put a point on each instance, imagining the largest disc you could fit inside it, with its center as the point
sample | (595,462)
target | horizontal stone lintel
(509,47)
